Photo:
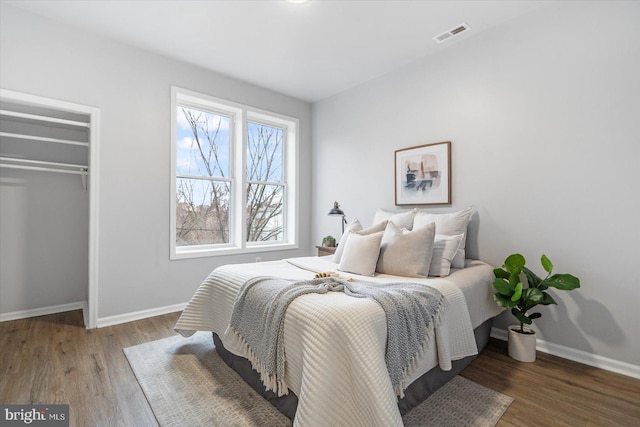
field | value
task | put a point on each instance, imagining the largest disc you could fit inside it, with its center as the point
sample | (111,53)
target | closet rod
(44,118)
(43,138)
(38,165)
(45,169)
(10,162)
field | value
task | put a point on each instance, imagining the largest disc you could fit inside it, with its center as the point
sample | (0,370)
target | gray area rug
(188,384)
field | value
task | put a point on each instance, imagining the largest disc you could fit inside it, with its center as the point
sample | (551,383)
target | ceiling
(309,51)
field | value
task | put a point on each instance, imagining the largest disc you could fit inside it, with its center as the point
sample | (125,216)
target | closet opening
(48,207)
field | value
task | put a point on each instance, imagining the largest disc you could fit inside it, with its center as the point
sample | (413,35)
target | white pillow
(406,253)
(401,219)
(444,249)
(361,253)
(353,227)
(450,224)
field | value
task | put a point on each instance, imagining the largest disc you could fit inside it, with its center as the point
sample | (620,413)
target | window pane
(265,217)
(202,212)
(264,153)
(202,143)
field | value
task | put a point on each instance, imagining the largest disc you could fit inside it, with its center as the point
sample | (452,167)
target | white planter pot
(522,347)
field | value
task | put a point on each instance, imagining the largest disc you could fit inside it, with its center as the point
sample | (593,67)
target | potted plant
(329,242)
(520,299)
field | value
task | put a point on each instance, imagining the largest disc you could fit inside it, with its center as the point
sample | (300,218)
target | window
(265,188)
(233,178)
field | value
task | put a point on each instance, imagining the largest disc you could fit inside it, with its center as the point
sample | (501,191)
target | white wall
(543,114)
(132,89)
(44,224)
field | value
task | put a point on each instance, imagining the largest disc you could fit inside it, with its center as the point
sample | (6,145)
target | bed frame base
(415,394)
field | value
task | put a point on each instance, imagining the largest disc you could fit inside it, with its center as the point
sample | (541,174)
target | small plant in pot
(329,242)
(520,299)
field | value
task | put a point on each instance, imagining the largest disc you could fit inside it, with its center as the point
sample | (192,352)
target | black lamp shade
(338,212)
(335,211)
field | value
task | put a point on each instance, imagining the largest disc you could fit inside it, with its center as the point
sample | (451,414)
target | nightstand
(325,250)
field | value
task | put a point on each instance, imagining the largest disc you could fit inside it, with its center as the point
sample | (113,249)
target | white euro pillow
(450,224)
(401,219)
(406,252)
(361,252)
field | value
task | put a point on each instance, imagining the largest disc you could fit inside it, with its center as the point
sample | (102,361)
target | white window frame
(240,114)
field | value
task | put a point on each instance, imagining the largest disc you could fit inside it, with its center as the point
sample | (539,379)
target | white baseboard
(580,356)
(43,311)
(138,315)
(500,334)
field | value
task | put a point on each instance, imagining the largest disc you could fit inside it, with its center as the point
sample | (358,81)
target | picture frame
(423,175)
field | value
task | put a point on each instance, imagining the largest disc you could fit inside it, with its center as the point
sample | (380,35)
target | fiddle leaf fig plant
(520,299)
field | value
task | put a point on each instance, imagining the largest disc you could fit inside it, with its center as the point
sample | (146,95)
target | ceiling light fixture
(452,32)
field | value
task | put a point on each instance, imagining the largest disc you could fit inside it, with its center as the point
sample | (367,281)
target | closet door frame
(90,312)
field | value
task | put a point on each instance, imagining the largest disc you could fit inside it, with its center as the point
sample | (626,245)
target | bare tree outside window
(204,187)
(265,190)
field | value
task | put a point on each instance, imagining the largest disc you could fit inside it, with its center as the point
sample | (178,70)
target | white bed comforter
(335,344)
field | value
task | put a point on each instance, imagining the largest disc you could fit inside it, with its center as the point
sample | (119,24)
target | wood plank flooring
(54,359)
(556,392)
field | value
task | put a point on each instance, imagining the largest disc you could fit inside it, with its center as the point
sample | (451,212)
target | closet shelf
(43,118)
(39,165)
(43,138)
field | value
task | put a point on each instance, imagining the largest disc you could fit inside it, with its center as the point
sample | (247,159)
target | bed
(335,371)
(335,344)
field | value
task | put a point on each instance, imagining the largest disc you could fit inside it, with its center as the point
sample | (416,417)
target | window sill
(203,253)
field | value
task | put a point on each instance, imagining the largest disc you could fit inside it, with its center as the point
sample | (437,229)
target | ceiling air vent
(452,32)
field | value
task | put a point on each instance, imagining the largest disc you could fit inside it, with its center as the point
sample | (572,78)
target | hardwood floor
(556,392)
(54,359)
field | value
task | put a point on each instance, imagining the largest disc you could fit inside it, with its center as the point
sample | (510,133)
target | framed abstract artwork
(423,175)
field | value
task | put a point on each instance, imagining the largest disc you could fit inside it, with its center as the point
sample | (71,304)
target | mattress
(335,344)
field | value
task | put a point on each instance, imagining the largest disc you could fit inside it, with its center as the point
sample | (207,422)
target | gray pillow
(406,253)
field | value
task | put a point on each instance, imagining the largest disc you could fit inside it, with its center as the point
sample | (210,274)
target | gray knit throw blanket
(257,323)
